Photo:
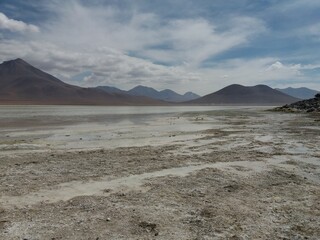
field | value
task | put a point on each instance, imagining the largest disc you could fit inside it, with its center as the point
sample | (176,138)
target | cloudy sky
(183,45)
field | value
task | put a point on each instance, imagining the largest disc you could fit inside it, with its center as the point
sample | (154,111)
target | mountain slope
(144,91)
(237,94)
(164,95)
(21,83)
(190,96)
(111,89)
(171,96)
(302,93)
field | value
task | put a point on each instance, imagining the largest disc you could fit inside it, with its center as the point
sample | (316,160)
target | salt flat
(158,173)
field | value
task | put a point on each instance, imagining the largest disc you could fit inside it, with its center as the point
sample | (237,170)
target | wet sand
(206,173)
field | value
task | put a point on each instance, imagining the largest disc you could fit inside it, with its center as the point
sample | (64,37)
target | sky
(183,45)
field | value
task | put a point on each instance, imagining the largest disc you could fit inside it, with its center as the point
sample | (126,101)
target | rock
(2,224)
(309,106)
(149,227)
(231,188)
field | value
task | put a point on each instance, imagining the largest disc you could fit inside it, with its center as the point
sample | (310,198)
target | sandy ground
(233,174)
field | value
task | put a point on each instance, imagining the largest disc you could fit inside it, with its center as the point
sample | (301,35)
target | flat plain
(158,173)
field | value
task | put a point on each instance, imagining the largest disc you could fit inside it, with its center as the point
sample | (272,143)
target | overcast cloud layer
(183,45)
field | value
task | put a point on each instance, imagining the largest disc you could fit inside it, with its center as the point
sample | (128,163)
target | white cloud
(104,42)
(194,40)
(170,41)
(251,72)
(108,66)
(258,70)
(280,69)
(16,26)
(124,48)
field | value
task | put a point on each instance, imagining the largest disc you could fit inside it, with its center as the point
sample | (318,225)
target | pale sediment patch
(107,185)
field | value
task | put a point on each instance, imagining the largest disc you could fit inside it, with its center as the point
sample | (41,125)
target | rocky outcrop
(310,105)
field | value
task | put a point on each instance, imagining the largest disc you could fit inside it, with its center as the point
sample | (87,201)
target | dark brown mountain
(21,83)
(240,95)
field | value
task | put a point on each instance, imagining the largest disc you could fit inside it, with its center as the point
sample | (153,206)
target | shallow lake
(33,128)
(53,110)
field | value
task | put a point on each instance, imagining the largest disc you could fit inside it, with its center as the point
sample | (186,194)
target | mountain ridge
(22,83)
(164,95)
(236,94)
(302,92)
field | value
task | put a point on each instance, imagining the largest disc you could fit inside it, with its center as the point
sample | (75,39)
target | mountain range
(21,83)
(164,95)
(302,93)
(236,94)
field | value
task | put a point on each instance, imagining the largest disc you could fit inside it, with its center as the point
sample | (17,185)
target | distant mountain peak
(301,92)
(142,86)
(164,95)
(21,83)
(253,95)
(20,60)
(18,66)
(142,89)
(16,61)
(191,95)
(168,91)
(234,85)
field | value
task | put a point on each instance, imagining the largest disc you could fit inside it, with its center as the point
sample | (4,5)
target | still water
(47,128)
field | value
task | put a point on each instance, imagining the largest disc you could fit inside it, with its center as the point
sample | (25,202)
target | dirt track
(209,175)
